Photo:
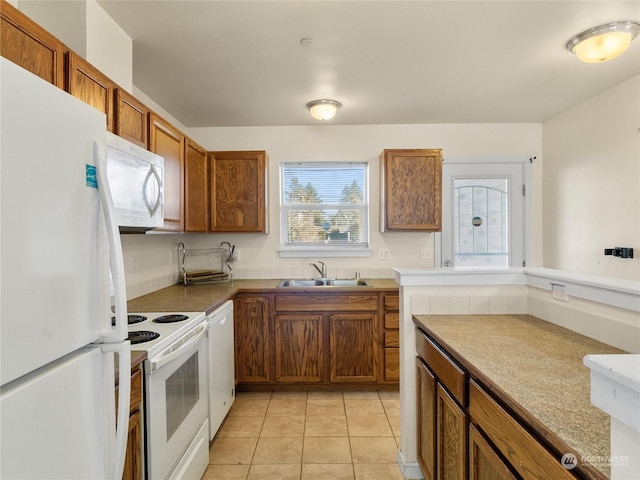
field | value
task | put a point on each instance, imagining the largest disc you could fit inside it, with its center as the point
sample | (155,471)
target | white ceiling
(241,63)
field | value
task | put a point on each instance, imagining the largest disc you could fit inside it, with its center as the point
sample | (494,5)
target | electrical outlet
(236,254)
(383,254)
(557,292)
(426,254)
(134,264)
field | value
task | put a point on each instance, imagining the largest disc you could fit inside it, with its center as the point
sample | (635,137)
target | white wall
(259,253)
(591,190)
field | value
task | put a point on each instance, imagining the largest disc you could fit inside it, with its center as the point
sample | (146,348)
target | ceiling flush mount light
(605,42)
(323,109)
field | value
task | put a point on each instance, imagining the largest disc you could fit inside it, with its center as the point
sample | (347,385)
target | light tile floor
(308,436)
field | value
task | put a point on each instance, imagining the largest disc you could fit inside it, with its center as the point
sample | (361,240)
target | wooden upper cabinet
(411,190)
(238,182)
(131,120)
(27,44)
(168,142)
(86,82)
(196,195)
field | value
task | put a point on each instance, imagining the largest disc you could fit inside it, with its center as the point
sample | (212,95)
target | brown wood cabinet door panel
(412,189)
(88,84)
(131,119)
(252,339)
(322,303)
(27,44)
(426,390)
(354,347)
(298,348)
(196,192)
(238,191)
(484,462)
(451,427)
(168,142)
(516,444)
(133,458)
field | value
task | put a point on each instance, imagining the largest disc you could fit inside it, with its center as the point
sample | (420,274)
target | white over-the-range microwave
(136,179)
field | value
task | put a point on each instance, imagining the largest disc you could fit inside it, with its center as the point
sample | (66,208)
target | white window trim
(329,251)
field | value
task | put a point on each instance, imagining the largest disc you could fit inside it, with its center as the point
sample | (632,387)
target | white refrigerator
(61,277)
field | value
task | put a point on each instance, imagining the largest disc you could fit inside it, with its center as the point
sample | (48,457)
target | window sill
(324,252)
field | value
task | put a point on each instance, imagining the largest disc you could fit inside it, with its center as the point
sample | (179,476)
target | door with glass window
(483,215)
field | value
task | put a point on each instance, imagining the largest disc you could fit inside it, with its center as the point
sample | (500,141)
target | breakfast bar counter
(535,369)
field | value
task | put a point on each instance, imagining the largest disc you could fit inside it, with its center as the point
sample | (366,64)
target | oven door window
(182,394)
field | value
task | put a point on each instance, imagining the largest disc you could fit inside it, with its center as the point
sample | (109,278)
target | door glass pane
(481,222)
(181,393)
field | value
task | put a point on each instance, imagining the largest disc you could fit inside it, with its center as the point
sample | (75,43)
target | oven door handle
(172,352)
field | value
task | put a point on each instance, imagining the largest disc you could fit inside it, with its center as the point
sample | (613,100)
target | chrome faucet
(322,271)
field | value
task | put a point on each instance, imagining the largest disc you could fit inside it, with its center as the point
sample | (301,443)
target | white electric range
(176,391)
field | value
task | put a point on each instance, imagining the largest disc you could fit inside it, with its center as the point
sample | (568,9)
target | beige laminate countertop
(207,297)
(536,367)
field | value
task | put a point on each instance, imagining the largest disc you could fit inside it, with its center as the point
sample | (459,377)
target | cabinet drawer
(521,450)
(392,364)
(391,301)
(325,303)
(392,339)
(391,320)
(447,371)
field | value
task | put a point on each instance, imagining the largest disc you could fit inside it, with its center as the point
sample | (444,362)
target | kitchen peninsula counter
(536,369)
(207,297)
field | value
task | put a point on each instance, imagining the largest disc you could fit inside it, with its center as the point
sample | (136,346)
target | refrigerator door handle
(120,330)
(123,349)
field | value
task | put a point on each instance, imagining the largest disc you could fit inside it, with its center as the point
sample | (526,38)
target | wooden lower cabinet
(353,347)
(134,458)
(426,416)
(466,432)
(391,315)
(310,340)
(442,429)
(484,462)
(298,348)
(252,338)
(451,432)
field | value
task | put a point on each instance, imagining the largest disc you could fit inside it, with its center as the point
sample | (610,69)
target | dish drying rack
(214,272)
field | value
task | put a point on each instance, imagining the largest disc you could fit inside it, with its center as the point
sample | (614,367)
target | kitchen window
(324,209)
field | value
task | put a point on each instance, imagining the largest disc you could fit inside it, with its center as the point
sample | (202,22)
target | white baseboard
(410,471)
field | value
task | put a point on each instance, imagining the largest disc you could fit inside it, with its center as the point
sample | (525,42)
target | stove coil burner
(142,336)
(171,318)
(131,319)
(135,319)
